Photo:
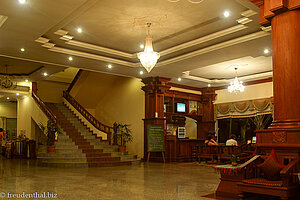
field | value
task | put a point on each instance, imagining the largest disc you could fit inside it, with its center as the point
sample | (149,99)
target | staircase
(78,146)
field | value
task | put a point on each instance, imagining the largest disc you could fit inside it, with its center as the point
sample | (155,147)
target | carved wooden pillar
(284,17)
(207,124)
(154,89)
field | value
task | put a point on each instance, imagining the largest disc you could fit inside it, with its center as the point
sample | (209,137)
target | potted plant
(50,130)
(123,135)
(235,159)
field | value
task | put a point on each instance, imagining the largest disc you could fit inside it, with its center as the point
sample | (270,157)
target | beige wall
(258,91)
(28,110)
(8,109)
(114,99)
(50,91)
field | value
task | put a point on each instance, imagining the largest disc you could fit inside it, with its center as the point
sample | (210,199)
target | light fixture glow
(141,72)
(226,13)
(26,80)
(179,79)
(109,66)
(7,98)
(22,49)
(22,1)
(141,46)
(45,74)
(70,58)
(209,85)
(236,85)
(79,30)
(266,51)
(148,57)
(17,94)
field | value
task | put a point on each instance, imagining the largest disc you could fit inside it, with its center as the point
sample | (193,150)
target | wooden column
(34,87)
(154,89)
(284,17)
(207,124)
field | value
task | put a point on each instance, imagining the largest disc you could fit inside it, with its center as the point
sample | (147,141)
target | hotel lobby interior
(150,99)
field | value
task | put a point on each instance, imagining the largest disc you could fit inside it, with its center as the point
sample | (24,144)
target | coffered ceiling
(196,41)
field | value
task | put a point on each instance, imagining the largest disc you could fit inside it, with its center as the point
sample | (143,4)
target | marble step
(63,164)
(63,159)
(54,155)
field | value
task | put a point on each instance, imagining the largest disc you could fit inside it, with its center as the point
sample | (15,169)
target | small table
(230,177)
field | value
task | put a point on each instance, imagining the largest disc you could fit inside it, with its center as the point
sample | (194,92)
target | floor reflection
(144,181)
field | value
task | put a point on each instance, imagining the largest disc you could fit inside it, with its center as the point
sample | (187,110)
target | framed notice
(156,138)
(181,132)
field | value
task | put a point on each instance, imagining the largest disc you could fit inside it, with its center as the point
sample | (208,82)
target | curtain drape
(243,108)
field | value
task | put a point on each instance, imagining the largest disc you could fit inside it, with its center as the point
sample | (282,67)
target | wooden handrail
(104,128)
(74,80)
(44,108)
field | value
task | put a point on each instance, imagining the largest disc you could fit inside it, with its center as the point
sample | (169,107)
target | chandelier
(148,57)
(6,82)
(236,85)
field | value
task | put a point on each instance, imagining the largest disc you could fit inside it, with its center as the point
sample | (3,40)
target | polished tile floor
(151,181)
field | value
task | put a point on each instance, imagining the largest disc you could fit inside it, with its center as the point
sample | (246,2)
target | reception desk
(180,150)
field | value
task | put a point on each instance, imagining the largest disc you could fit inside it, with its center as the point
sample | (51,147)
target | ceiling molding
(248,13)
(51,47)
(266,80)
(180,89)
(266,28)
(2,19)
(61,32)
(99,48)
(92,56)
(176,85)
(187,75)
(218,46)
(179,47)
(36,61)
(203,39)
(69,40)
(244,20)
(42,40)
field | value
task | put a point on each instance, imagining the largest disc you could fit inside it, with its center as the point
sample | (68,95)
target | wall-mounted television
(254,139)
(180,107)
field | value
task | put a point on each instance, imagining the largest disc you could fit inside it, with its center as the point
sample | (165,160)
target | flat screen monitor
(180,107)
(254,139)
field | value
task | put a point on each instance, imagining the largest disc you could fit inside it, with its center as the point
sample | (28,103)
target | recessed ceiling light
(45,74)
(26,80)
(141,72)
(179,79)
(141,46)
(17,94)
(266,51)
(7,98)
(109,66)
(79,30)
(22,49)
(226,13)
(22,1)
(70,58)
(209,85)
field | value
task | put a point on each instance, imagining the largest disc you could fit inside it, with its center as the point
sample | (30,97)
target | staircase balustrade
(44,108)
(104,128)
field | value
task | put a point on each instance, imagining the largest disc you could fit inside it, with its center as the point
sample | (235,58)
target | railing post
(115,134)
